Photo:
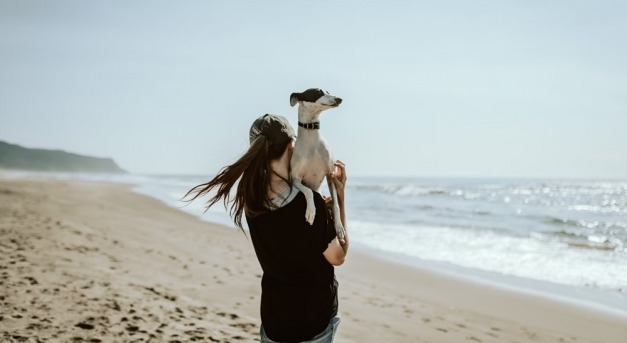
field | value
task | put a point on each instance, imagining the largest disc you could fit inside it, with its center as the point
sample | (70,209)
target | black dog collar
(310,126)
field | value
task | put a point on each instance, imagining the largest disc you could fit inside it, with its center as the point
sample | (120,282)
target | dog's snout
(338,100)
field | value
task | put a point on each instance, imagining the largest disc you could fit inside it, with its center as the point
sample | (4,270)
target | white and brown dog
(312,160)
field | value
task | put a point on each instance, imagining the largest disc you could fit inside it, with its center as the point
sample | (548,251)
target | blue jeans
(326,336)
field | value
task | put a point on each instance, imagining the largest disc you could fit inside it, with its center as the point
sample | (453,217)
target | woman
(299,290)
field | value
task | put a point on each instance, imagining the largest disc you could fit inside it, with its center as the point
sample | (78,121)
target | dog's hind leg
(310,212)
(337,219)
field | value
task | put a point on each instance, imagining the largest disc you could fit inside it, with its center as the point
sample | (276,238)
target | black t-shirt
(298,287)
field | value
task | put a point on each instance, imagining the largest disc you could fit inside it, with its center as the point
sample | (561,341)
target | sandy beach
(96,262)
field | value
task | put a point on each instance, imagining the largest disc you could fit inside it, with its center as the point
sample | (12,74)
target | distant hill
(16,157)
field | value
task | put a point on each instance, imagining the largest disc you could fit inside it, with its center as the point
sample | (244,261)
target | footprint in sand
(86,325)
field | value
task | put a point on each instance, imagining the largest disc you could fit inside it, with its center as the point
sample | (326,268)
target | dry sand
(95,262)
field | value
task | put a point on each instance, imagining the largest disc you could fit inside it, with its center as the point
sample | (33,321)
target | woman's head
(275,130)
(270,135)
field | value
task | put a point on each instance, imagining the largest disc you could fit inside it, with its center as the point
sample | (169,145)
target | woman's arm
(337,250)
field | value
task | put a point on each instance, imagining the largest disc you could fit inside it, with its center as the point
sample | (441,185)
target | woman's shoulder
(299,202)
(318,200)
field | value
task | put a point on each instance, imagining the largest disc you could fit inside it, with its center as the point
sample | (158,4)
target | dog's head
(315,98)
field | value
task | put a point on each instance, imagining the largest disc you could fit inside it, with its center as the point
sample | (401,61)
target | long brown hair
(253,172)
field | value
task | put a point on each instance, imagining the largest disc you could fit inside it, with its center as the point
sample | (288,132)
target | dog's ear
(294,99)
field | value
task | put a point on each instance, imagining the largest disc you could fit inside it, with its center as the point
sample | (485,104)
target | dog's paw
(310,214)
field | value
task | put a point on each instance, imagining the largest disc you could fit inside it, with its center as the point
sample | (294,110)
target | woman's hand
(338,177)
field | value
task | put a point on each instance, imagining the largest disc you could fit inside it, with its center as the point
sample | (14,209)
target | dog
(311,160)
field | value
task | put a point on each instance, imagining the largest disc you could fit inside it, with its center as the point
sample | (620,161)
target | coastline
(97,262)
(610,302)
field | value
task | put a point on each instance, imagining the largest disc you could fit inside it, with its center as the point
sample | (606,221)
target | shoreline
(174,269)
(167,190)
(611,302)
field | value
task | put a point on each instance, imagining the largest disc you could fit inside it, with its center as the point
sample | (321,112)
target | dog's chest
(316,166)
(312,165)
(314,172)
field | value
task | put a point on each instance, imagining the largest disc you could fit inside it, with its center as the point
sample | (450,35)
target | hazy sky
(430,88)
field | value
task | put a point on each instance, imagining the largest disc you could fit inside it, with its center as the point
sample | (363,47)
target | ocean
(558,238)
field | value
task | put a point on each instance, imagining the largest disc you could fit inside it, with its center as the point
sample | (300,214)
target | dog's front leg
(337,219)
(310,213)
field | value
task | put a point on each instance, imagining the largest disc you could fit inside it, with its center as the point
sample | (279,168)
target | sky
(505,89)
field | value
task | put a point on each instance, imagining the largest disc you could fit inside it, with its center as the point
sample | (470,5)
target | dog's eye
(311,95)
